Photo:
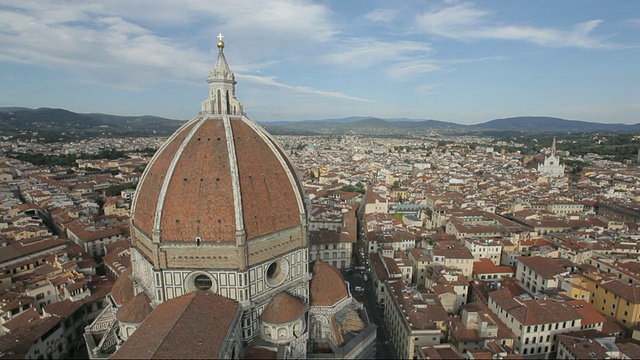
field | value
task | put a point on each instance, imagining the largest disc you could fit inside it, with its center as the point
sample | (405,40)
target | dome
(219,195)
(283,308)
(218,180)
(122,290)
(327,285)
(214,178)
(135,310)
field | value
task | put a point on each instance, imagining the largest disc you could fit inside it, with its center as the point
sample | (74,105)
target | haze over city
(458,61)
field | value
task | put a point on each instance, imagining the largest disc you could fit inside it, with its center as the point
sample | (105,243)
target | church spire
(553,147)
(221,70)
(222,87)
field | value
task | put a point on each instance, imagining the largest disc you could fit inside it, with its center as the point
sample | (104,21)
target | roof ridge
(176,320)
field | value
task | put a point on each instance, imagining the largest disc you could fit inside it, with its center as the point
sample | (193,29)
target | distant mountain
(359,125)
(345,120)
(68,124)
(370,125)
(61,124)
(552,124)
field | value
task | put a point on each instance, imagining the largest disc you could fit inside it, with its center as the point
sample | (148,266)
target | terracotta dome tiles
(151,183)
(268,197)
(135,310)
(283,308)
(327,285)
(199,201)
(122,290)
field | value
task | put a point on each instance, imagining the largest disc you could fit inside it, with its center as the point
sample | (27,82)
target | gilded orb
(220,45)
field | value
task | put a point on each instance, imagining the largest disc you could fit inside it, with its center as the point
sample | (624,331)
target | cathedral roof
(283,308)
(254,352)
(215,177)
(327,285)
(218,178)
(192,326)
(122,290)
(135,310)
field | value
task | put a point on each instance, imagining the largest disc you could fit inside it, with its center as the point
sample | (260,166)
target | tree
(140,168)
(115,190)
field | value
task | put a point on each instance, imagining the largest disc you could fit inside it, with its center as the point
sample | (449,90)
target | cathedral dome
(219,183)
(216,177)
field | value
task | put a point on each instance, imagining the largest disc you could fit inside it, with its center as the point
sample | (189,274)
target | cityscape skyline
(454,61)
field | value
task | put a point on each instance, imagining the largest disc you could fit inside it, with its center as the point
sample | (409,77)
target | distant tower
(552,167)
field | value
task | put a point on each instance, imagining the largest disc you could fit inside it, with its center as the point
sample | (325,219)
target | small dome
(327,285)
(122,290)
(283,308)
(135,310)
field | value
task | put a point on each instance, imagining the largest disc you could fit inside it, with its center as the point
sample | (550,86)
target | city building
(413,319)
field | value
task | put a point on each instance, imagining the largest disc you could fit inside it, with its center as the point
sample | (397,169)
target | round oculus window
(203,282)
(277,272)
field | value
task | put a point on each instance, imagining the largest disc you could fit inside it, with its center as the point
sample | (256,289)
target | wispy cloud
(411,69)
(363,52)
(466,22)
(272,82)
(381,15)
(428,89)
(634,22)
(101,43)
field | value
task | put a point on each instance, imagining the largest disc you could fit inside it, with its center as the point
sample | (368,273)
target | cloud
(134,45)
(428,89)
(381,15)
(271,81)
(411,69)
(363,52)
(466,22)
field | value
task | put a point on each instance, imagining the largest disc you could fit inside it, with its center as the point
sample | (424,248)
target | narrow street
(384,350)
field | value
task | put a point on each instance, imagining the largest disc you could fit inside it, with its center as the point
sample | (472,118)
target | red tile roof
(192,326)
(486,266)
(122,290)
(629,292)
(327,285)
(547,268)
(283,308)
(135,310)
(200,202)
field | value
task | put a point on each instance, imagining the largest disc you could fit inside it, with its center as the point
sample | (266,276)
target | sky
(459,61)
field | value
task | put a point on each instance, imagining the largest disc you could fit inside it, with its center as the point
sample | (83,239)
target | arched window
(228,105)
(219,102)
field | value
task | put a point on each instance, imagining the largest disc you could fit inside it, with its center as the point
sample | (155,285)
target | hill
(373,126)
(359,125)
(61,124)
(552,124)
